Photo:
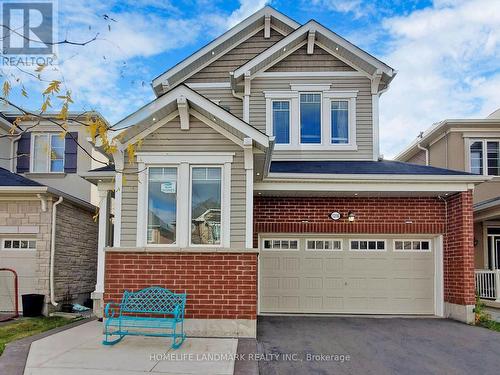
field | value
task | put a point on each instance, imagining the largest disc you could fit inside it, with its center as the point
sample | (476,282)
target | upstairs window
(310,118)
(281,121)
(485,157)
(48,153)
(340,121)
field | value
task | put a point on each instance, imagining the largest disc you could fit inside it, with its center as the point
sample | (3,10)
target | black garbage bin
(32,304)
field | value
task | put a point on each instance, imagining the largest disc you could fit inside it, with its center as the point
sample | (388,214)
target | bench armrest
(111,310)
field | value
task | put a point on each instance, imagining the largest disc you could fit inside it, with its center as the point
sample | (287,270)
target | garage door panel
(334,281)
(25,264)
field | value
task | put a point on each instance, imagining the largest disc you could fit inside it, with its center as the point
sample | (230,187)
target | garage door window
(279,244)
(19,245)
(324,245)
(412,245)
(367,245)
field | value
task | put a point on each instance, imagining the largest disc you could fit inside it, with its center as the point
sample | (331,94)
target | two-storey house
(48,234)
(471,145)
(257,188)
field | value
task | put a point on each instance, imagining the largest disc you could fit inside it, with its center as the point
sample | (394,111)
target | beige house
(470,145)
(48,234)
(258,189)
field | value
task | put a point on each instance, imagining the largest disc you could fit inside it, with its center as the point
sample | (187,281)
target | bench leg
(178,338)
(107,335)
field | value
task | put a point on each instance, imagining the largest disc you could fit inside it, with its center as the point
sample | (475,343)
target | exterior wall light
(351,216)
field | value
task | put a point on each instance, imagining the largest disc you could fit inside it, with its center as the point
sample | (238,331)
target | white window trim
(49,154)
(324,239)
(327,96)
(18,239)
(280,239)
(411,251)
(367,250)
(485,154)
(183,161)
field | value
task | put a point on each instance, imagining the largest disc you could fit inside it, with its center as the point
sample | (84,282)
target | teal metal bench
(156,309)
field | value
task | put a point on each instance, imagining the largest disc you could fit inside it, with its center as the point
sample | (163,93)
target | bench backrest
(152,300)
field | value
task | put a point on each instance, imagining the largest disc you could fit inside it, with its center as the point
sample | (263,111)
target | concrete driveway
(352,345)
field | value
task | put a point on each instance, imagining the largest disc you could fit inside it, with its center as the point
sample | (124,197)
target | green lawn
(25,327)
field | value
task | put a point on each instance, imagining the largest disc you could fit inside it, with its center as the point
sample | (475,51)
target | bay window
(184,199)
(484,157)
(48,153)
(206,199)
(162,205)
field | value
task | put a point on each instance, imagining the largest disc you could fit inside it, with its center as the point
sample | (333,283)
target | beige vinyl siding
(226,98)
(199,138)
(218,71)
(418,158)
(319,61)
(364,129)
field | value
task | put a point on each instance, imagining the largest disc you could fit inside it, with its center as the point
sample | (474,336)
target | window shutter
(70,152)
(23,153)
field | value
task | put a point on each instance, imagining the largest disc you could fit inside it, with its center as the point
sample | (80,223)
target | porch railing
(488,284)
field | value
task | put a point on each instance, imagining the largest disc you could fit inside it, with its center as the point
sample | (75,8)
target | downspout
(53,250)
(426,153)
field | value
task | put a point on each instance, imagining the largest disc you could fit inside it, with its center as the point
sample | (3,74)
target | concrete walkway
(79,351)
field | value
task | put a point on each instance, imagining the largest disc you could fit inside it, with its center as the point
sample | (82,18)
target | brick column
(458,258)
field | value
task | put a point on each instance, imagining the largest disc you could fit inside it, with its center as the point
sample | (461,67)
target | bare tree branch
(65,41)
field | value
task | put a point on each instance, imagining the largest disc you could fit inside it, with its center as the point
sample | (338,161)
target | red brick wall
(219,285)
(373,215)
(459,251)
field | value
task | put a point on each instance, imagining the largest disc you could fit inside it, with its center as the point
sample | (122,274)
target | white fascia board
(363,186)
(23,189)
(314,26)
(279,177)
(227,35)
(149,109)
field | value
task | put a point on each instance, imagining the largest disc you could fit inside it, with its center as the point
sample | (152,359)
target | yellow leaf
(53,87)
(24,92)
(40,67)
(131,153)
(6,89)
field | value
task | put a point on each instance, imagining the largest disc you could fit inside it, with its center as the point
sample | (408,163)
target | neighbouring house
(48,233)
(257,188)
(471,145)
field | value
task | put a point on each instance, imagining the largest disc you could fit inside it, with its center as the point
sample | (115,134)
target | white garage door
(347,275)
(19,255)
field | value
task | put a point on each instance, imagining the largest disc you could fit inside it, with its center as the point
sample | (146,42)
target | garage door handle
(345,283)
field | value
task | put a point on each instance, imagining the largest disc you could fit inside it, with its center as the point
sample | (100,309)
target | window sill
(305,147)
(166,249)
(46,174)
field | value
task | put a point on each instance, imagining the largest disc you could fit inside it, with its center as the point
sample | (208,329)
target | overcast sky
(446,52)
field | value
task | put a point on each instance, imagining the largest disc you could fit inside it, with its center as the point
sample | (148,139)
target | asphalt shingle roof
(360,167)
(8,178)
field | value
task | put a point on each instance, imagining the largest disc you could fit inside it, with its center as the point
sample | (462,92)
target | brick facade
(458,255)
(219,285)
(224,285)
(75,268)
(75,264)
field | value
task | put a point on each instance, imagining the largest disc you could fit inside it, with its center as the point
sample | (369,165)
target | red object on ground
(16,299)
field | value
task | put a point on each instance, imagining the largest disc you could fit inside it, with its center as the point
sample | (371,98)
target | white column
(497,285)
(248,153)
(102,241)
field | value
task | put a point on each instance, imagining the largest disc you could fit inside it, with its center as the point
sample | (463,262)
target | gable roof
(164,109)
(7,178)
(326,39)
(220,45)
(440,128)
